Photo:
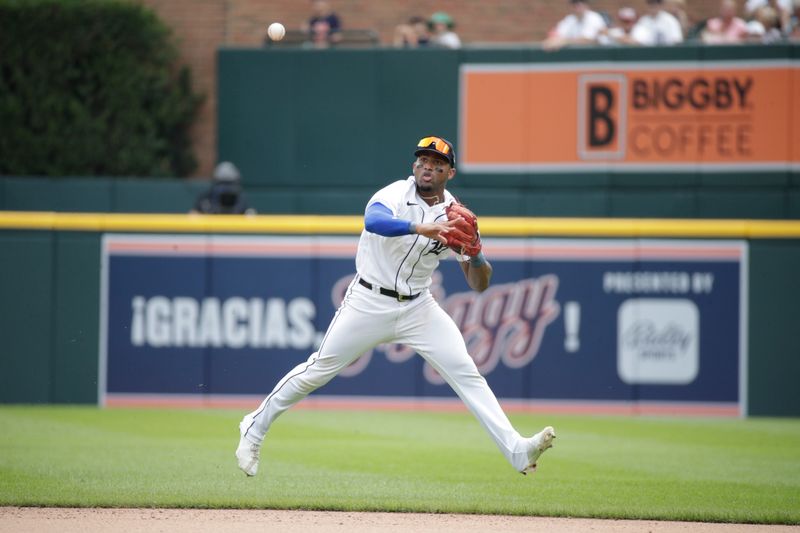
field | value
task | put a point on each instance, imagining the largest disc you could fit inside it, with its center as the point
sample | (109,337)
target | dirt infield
(46,520)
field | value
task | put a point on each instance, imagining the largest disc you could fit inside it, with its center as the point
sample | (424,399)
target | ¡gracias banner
(592,321)
(663,116)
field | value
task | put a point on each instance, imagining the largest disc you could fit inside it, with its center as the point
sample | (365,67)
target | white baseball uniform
(368,317)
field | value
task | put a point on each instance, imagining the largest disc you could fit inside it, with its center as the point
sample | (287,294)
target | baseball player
(409,225)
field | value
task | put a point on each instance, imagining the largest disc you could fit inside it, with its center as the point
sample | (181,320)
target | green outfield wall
(316,132)
(50,290)
(319,131)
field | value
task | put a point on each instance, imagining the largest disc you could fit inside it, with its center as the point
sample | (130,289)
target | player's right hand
(436,230)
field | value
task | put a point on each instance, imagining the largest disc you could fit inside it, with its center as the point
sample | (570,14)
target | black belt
(389,292)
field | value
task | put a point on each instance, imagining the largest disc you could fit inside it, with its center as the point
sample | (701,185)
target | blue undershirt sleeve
(379,219)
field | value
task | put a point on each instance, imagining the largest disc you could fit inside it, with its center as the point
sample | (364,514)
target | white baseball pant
(366,319)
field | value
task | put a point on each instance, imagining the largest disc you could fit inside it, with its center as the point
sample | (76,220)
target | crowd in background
(642,23)
(324,29)
(666,22)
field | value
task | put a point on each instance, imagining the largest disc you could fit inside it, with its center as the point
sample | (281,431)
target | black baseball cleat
(539,443)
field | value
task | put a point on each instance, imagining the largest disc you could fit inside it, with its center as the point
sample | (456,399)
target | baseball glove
(463,238)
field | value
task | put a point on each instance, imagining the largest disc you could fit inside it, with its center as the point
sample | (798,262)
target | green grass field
(614,467)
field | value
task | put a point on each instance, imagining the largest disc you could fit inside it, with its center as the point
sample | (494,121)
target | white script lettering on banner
(505,323)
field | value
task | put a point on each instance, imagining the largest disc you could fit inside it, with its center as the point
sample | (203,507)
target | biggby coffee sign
(674,116)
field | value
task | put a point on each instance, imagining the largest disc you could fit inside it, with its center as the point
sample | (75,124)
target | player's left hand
(464,237)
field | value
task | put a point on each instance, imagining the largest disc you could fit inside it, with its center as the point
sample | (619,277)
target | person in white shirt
(622,32)
(765,27)
(751,6)
(582,26)
(442,35)
(677,8)
(658,27)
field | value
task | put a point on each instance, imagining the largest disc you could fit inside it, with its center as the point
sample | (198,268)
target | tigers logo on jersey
(436,248)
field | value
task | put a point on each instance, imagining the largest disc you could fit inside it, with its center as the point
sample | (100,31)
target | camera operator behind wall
(225,196)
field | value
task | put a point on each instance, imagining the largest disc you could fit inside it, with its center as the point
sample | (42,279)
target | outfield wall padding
(50,288)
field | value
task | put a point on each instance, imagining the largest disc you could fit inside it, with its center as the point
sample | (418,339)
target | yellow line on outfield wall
(319,224)
(189,223)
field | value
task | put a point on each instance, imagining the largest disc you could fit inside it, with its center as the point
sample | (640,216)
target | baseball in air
(276,31)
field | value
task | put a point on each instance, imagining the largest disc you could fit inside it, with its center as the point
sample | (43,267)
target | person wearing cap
(324,26)
(765,27)
(657,27)
(441,26)
(224,196)
(622,32)
(389,301)
(780,6)
(582,26)
(784,9)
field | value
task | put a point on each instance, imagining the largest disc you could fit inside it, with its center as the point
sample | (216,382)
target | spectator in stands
(751,6)
(324,26)
(622,31)
(412,34)
(764,28)
(657,27)
(677,8)
(783,8)
(441,26)
(225,196)
(727,27)
(784,15)
(582,26)
(794,22)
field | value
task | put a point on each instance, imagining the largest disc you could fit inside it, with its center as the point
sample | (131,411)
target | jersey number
(436,248)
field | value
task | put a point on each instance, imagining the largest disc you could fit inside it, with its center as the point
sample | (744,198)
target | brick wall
(201,26)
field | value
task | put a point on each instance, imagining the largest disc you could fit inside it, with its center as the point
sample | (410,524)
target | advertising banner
(565,320)
(667,116)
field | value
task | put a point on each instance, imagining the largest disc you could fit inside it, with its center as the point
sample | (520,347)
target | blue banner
(564,320)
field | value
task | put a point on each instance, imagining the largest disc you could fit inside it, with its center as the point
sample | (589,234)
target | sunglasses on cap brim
(438,144)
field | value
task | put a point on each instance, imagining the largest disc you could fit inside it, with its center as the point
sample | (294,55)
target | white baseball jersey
(365,319)
(403,264)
